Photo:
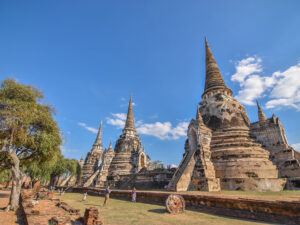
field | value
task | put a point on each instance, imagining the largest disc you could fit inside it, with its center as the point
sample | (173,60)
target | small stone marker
(175,204)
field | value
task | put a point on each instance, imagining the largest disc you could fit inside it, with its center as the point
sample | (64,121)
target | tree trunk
(52,180)
(16,183)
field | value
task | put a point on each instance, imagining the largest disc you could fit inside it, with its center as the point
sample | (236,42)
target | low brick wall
(287,212)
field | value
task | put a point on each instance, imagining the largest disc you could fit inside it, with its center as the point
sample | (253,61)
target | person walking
(133,194)
(84,196)
(107,192)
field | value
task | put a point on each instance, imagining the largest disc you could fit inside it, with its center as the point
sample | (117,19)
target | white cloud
(286,91)
(252,85)
(139,122)
(118,120)
(282,88)
(246,67)
(281,102)
(163,131)
(121,116)
(84,125)
(252,88)
(296,146)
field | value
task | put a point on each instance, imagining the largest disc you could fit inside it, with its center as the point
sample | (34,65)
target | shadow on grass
(20,217)
(159,211)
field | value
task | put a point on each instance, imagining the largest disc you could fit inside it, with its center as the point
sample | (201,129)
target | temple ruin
(225,151)
(129,157)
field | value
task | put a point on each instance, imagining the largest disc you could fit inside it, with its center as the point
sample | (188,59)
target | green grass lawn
(121,212)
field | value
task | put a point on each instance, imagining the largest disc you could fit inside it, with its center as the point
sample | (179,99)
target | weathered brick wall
(272,135)
(287,212)
(146,179)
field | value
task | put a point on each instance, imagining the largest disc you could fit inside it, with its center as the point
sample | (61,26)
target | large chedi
(130,156)
(221,151)
(93,159)
(97,161)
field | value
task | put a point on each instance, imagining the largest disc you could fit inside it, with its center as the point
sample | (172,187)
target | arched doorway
(192,139)
(142,161)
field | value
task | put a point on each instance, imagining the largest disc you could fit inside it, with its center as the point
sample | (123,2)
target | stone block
(91,216)
(61,220)
(253,184)
(206,184)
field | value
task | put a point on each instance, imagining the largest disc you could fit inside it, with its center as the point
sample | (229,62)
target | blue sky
(89,56)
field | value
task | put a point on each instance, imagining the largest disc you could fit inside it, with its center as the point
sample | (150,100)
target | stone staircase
(91,179)
(236,155)
(172,186)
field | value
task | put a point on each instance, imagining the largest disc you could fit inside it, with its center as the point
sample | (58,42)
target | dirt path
(7,218)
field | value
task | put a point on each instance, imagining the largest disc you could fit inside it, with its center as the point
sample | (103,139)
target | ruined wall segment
(271,134)
(196,171)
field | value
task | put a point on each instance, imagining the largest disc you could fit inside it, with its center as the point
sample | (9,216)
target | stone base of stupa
(253,184)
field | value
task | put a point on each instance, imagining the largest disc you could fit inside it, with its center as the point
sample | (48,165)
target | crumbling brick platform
(46,210)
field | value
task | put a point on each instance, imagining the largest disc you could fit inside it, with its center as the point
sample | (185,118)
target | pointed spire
(110,146)
(129,125)
(261,116)
(198,116)
(98,141)
(81,159)
(213,77)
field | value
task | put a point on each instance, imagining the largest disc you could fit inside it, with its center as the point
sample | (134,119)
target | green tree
(5,176)
(65,167)
(37,171)
(28,132)
(157,164)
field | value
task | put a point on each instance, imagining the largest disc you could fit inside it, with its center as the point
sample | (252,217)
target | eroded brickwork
(270,133)
(91,217)
(46,210)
